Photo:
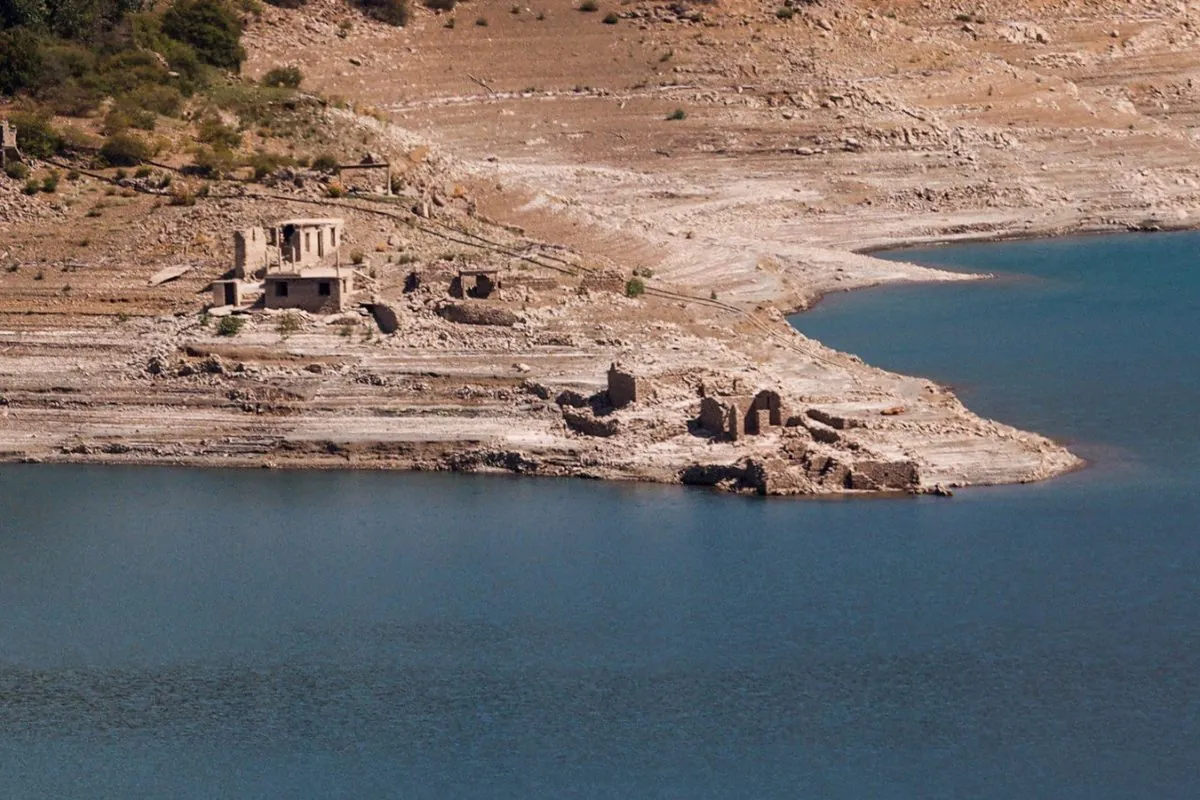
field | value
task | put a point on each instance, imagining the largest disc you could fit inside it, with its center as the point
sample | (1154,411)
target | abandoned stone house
(8,143)
(735,417)
(295,263)
(475,283)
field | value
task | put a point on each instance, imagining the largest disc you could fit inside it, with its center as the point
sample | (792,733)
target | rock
(385,317)
(586,422)
(477,314)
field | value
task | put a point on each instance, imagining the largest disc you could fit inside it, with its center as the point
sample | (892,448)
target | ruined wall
(624,387)
(249,252)
(470,314)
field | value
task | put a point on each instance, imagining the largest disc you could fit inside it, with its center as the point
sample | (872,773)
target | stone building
(295,263)
(8,143)
(321,290)
(735,417)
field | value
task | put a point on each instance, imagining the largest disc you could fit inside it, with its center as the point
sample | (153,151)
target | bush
(123,150)
(283,77)
(785,12)
(441,5)
(212,29)
(589,6)
(218,134)
(35,135)
(20,59)
(611,18)
(287,324)
(264,163)
(357,257)
(393,12)
(325,162)
(677,114)
(230,326)
(154,98)
(288,3)
(16,170)
(32,187)
(635,287)
(50,182)
(210,162)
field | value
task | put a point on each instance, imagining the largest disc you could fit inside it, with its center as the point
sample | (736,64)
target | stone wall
(249,252)
(305,293)
(624,387)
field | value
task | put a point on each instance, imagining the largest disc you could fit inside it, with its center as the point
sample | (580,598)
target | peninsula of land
(590,232)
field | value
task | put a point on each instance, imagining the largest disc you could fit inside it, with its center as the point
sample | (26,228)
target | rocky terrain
(739,157)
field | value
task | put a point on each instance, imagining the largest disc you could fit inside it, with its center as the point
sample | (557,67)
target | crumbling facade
(624,387)
(8,143)
(749,415)
(294,263)
(475,283)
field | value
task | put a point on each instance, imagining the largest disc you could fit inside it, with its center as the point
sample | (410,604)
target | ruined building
(295,263)
(8,143)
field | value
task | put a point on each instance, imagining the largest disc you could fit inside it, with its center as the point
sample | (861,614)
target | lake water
(200,634)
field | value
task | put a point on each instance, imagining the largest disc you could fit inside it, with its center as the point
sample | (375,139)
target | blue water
(191,634)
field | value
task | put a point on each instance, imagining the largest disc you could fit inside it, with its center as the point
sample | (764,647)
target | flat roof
(322,273)
(306,223)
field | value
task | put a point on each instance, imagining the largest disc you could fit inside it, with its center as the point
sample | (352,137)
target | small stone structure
(624,387)
(305,242)
(735,417)
(295,263)
(321,290)
(249,253)
(233,293)
(475,283)
(8,143)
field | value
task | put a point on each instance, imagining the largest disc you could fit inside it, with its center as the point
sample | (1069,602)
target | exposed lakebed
(271,634)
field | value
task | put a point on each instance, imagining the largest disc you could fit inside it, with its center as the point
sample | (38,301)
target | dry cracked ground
(745,154)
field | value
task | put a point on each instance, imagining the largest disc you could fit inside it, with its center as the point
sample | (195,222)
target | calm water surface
(190,634)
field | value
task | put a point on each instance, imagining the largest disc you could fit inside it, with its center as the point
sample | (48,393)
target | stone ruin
(478,284)
(8,143)
(739,416)
(295,263)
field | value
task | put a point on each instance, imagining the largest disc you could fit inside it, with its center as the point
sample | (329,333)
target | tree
(212,29)
(20,60)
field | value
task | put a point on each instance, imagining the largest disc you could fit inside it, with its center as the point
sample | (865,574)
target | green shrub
(589,6)
(635,287)
(124,150)
(325,162)
(210,27)
(154,98)
(20,57)
(264,163)
(218,134)
(357,257)
(283,77)
(785,12)
(16,170)
(288,324)
(50,182)
(35,135)
(210,162)
(32,186)
(611,18)
(441,5)
(481,21)
(230,326)
(677,114)
(393,12)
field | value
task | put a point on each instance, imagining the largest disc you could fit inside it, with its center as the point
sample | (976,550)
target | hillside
(737,156)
